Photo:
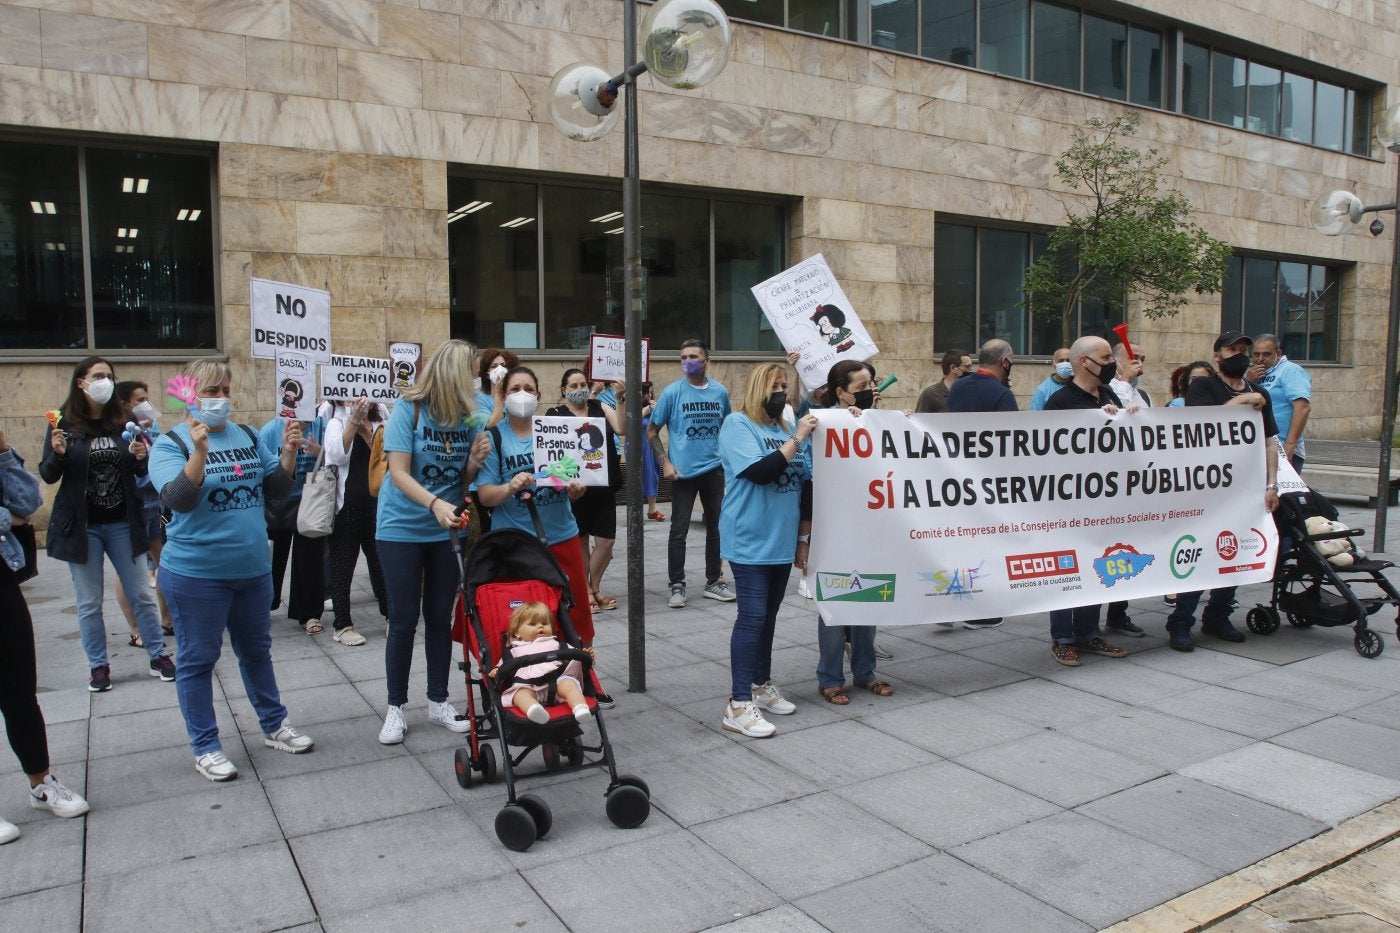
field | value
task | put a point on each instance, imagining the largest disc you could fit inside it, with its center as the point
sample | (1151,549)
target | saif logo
(1121,562)
(855,587)
(1227,545)
(1044,564)
(1186,553)
(957,582)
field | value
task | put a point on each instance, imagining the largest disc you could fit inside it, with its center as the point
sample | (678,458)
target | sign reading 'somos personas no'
(351,377)
(570,449)
(291,318)
(296,387)
(814,319)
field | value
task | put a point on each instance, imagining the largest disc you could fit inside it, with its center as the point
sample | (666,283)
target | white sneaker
(582,713)
(215,766)
(719,590)
(802,588)
(395,727)
(746,719)
(9,832)
(538,714)
(57,799)
(287,739)
(768,698)
(945,626)
(445,714)
(349,637)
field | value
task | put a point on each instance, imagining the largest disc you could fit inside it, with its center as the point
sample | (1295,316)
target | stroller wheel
(462,764)
(539,811)
(627,806)
(551,756)
(574,754)
(515,827)
(1368,644)
(631,780)
(1262,620)
(487,764)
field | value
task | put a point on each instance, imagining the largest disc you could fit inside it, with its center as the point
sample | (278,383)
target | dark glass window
(1005,45)
(41,248)
(493,249)
(1359,120)
(1227,89)
(748,250)
(954,287)
(950,31)
(1105,57)
(894,24)
(1056,45)
(1195,81)
(822,17)
(755,11)
(1297,106)
(1145,65)
(1296,300)
(1329,129)
(1264,91)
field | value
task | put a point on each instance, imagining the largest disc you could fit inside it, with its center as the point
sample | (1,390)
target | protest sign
(403,363)
(947,517)
(814,319)
(350,377)
(607,358)
(291,318)
(296,387)
(571,448)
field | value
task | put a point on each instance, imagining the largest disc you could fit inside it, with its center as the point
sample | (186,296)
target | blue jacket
(19,496)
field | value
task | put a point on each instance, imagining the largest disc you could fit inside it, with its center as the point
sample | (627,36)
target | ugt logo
(1227,545)
(1121,562)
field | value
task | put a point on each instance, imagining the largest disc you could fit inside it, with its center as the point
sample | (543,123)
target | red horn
(1122,331)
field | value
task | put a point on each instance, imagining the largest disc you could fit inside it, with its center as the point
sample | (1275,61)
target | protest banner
(607,358)
(291,318)
(570,448)
(403,363)
(814,319)
(935,518)
(350,377)
(296,387)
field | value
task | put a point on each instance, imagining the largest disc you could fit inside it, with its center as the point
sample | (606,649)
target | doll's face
(531,628)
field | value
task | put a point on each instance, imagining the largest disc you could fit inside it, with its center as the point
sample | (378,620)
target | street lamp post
(1341,211)
(685,44)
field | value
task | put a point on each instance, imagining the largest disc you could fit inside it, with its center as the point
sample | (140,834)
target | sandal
(604,602)
(877,687)
(313,627)
(836,696)
(135,641)
(170,632)
(657,516)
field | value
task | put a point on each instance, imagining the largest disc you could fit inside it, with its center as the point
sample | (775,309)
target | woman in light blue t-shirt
(765,465)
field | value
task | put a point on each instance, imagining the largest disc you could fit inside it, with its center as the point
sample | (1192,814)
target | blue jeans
(114,539)
(202,611)
(1215,616)
(710,488)
(1071,626)
(418,575)
(759,591)
(831,645)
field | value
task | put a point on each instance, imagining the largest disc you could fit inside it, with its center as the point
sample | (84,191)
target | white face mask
(144,411)
(521,404)
(497,373)
(100,389)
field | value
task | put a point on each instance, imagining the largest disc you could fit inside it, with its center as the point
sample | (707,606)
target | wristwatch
(1273,486)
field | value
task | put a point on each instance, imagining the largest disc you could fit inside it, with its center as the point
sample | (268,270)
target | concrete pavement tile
(293,674)
(1368,881)
(1306,901)
(367,661)
(1089,870)
(661,653)
(14,793)
(1246,713)
(1127,682)
(1285,646)
(1047,704)
(66,705)
(308,707)
(1381,713)
(803,846)
(1249,920)
(359,867)
(711,644)
(121,780)
(669,883)
(952,674)
(223,818)
(840,753)
(1027,655)
(153,728)
(950,726)
(262,892)
(707,680)
(1305,784)
(1203,664)
(1156,738)
(1342,739)
(1058,768)
(1213,826)
(1346,664)
(963,805)
(720,782)
(506,903)
(152,694)
(1321,691)
(338,744)
(965,640)
(48,854)
(656,733)
(357,793)
(784,919)
(49,909)
(938,893)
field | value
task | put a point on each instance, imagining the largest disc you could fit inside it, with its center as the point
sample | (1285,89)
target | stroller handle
(506,672)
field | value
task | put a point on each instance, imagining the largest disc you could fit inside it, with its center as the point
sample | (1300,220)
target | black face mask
(1234,366)
(1107,371)
(865,398)
(773,405)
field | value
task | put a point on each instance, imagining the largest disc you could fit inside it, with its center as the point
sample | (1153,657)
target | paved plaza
(996,790)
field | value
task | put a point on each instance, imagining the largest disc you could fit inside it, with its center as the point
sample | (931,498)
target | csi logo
(1227,545)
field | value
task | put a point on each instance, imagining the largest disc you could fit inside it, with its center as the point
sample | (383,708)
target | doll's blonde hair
(530,612)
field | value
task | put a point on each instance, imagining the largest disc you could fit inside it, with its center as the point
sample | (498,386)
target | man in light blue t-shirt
(692,410)
(1290,394)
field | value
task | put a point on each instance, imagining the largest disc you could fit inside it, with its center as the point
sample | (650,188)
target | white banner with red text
(947,517)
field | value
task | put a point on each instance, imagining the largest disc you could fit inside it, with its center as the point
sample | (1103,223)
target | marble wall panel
(524,97)
(422,34)
(498,45)
(149,108)
(379,181)
(287,174)
(258,225)
(162,12)
(297,268)
(339,229)
(264,19)
(379,79)
(357,330)
(94,44)
(413,233)
(461,89)
(380,281)
(194,56)
(291,68)
(20,37)
(344,24)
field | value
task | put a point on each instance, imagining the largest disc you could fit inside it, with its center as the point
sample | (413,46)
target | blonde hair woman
(434,451)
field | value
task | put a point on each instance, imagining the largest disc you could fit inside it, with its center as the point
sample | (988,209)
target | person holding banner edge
(349,434)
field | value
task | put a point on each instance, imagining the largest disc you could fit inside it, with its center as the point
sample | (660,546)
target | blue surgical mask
(1064,370)
(214,411)
(692,367)
(576,396)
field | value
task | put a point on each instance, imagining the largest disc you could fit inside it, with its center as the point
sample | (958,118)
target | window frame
(1236,319)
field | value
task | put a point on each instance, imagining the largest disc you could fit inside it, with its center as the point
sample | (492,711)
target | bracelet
(804,539)
(1273,486)
(436,500)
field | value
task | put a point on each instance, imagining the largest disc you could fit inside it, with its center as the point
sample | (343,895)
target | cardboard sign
(350,377)
(814,319)
(607,358)
(296,387)
(570,448)
(289,318)
(403,364)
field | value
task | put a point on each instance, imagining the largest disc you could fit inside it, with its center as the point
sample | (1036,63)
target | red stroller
(505,568)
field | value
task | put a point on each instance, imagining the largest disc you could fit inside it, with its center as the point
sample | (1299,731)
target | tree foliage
(1134,238)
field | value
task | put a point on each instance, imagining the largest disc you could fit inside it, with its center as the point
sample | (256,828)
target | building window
(1294,299)
(105,248)
(820,17)
(538,265)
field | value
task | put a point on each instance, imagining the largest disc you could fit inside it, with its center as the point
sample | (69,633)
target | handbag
(378,462)
(316,514)
(24,534)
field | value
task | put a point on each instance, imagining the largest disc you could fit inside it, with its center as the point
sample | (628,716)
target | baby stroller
(1309,590)
(504,568)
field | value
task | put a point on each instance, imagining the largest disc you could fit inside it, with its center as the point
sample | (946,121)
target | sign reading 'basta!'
(948,517)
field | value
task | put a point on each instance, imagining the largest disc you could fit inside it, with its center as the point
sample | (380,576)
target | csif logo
(855,587)
(1186,554)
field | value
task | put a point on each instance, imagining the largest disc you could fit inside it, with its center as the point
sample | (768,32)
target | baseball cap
(1231,337)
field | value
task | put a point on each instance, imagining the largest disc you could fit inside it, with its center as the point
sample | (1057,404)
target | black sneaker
(605,701)
(1125,626)
(164,668)
(1226,632)
(982,623)
(101,680)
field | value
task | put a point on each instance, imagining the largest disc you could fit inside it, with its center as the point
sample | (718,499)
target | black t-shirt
(1070,397)
(106,490)
(1213,390)
(357,477)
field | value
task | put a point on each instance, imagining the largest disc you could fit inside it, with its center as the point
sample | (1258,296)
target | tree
(1134,238)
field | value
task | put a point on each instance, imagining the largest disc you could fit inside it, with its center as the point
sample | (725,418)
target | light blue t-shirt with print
(1043,392)
(271,434)
(692,418)
(1286,383)
(758,521)
(517,455)
(1177,403)
(439,454)
(225,536)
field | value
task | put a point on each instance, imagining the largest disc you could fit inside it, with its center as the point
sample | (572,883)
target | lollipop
(54,417)
(132,431)
(180,391)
